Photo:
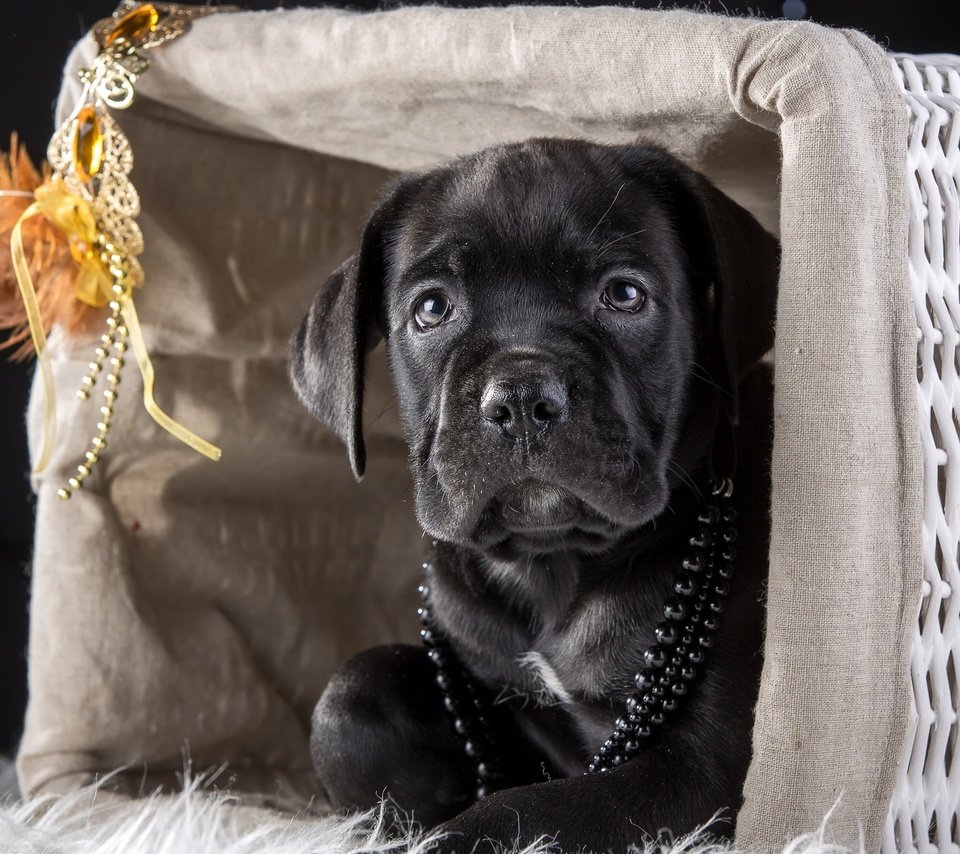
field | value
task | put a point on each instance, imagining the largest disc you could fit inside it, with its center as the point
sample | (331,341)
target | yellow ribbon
(146,371)
(28,294)
(72,215)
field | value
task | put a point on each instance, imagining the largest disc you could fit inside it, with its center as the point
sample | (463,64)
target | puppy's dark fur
(558,445)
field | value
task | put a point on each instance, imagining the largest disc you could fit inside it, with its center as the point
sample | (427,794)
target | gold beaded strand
(115,340)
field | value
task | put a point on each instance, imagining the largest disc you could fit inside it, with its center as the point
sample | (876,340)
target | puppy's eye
(432,310)
(623,295)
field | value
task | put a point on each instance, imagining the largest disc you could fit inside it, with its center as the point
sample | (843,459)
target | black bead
(427,637)
(716,606)
(452,704)
(710,515)
(482,792)
(644,679)
(680,650)
(672,670)
(686,585)
(437,657)
(666,633)
(650,701)
(694,563)
(730,535)
(729,514)
(632,746)
(722,587)
(632,704)
(483,771)
(711,623)
(702,540)
(443,681)
(608,745)
(669,704)
(423,590)
(688,673)
(706,640)
(679,689)
(675,610)
(655,657)
(657,691)
(592,768)
(728,553)
(618,759)
(471,749)
(461,726)
(696,656)
(656,718)
(644,731)
(423,613)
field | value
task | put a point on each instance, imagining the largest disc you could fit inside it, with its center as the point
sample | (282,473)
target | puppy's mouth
(540,517)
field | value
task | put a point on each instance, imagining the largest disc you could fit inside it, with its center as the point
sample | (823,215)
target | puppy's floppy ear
(729,249)
(344,323)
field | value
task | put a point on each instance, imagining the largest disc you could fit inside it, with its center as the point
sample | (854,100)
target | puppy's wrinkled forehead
(533,209)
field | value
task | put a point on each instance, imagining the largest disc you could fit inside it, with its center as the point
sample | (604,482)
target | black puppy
(569,328)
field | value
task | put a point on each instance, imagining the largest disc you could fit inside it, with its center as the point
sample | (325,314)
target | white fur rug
(202,821)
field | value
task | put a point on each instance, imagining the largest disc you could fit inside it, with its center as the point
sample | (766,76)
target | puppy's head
(566,325)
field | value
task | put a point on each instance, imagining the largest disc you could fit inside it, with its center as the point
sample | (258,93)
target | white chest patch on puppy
(549,688)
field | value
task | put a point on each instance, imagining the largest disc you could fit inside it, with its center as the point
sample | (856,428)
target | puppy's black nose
(523,404)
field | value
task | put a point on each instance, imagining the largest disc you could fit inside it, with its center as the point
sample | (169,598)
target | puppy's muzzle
(523,399)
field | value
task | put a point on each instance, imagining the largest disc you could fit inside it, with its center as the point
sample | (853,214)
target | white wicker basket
(924,811)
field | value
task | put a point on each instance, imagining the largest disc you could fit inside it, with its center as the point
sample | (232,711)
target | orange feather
(52,267)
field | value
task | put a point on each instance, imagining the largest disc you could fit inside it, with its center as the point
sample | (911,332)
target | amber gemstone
(133,26)
(87,144)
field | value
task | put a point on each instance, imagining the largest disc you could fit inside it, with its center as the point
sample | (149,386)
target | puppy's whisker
(387,407)
(610,208)
(685,477)
(621,237)
(701,373)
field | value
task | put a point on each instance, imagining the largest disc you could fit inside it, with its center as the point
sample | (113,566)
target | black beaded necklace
(673,663)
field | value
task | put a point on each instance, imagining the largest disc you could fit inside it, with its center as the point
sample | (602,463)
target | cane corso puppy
(573,332)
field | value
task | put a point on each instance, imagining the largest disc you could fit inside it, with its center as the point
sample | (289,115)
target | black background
(35,37)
